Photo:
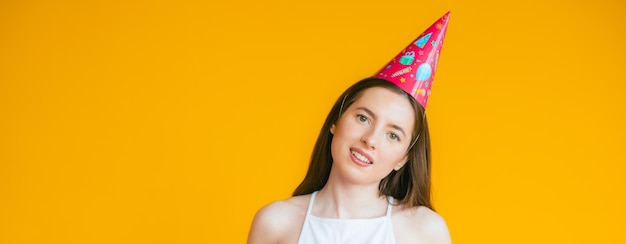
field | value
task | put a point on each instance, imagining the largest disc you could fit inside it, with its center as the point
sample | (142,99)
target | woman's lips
(360,157)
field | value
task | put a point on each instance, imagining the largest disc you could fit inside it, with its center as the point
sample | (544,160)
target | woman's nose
(369,139)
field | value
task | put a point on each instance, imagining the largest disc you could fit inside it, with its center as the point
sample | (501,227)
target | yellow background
(174,121)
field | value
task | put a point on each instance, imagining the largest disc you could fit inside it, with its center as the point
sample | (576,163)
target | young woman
(369,176)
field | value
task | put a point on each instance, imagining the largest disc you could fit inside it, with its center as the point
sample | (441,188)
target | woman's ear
(402,163)
(332,129)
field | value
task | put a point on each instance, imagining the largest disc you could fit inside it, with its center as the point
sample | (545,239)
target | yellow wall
(173,122)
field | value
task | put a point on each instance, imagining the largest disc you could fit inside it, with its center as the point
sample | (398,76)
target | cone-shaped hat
(414,68)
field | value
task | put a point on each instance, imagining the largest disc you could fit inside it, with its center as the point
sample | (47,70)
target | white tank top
(344,231)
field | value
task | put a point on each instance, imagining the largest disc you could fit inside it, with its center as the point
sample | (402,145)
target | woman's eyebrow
(397,127)
(371,114)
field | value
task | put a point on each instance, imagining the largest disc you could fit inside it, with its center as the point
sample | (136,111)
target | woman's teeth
(360,157)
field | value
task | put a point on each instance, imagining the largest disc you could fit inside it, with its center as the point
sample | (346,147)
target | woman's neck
(349,201)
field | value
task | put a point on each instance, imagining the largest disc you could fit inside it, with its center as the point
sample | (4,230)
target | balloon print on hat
(424,71)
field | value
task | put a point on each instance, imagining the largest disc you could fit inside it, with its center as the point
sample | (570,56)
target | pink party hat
(414,68)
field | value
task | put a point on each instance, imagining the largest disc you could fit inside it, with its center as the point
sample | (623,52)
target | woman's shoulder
(285,209)
(279,221)
(419,223)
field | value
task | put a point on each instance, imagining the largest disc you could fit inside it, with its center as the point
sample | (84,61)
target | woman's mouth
(360,157)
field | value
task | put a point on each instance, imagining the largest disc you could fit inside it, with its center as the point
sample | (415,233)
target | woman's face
(372,136)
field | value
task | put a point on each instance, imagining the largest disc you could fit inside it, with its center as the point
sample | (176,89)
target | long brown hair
(410,185)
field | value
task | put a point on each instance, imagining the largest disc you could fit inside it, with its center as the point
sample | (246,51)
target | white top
(344,231)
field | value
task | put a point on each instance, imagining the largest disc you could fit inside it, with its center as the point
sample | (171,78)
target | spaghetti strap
(308,210)
(390,200)
(305,225)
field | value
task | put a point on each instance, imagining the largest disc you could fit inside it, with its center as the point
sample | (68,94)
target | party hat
(414,68)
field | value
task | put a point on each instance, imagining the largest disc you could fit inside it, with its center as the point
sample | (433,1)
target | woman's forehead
(387,104)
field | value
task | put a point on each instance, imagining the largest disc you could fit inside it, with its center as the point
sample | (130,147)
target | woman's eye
(394,137)
(362,118)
